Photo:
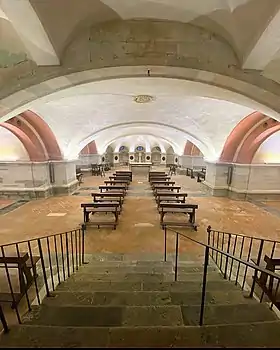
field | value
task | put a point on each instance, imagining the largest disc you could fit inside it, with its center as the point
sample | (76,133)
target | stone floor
(138,229)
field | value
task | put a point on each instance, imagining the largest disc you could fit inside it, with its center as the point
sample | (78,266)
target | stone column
(131,154)
(116,158)
(85,160)
(63,177)
(163,159)
(148,157)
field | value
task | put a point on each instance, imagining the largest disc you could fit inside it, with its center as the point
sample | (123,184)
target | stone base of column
(65,189)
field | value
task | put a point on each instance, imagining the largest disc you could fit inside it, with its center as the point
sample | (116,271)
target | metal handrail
(207,247)
(67,255)
(209,229)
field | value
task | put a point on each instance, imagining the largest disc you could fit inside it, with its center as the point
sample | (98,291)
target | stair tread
(264,334)
(146,298)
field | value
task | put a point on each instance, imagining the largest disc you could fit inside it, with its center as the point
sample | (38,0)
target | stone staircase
(133,301)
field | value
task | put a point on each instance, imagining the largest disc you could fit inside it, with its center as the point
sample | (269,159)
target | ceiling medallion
(143,98)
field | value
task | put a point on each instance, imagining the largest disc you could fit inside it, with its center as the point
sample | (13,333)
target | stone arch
(89,149)
(44,133)
(244,140)
(35,155)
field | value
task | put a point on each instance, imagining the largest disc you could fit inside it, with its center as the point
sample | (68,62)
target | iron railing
(226,271)
(245,247)
(42,264)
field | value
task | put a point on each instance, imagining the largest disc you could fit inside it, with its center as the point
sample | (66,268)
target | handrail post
(83,243)
(3,320)
(43,268)
(256,271)
(206,261)
(165,242)
(209,233)
(228,249)
(176,256)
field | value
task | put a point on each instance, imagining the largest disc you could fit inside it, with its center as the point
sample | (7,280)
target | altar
(140,168)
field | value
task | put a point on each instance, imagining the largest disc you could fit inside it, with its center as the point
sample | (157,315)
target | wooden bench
(156,173)
(109,197)
(101,207)
(200,176)
(271,265)
(164,183)
(170,197)
(26,273)
(117,182)
(120,188)
(120,178)
(158,188)
(179,208)
(79,177)
(160,178)
(124,173)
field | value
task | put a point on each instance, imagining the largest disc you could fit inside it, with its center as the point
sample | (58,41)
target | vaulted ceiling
(44,40)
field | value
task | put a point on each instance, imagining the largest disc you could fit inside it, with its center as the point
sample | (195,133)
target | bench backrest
(179,205)
(170,194)
(99,205)
(13,258)
(107,194)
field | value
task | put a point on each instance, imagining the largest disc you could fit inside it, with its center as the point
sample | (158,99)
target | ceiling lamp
(143,99)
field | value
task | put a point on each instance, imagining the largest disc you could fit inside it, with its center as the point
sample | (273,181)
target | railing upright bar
(76,250)
(176,256)
(206,261)
(62,256)
(72,251)
(80,250)
(228,249)
(273,249)
(248,259)
(57,261)
(34,272)
(221,262)
(43,268)
(218,238)
(14,303)
(3,320)
(23,281)
(165,237)
(50,262)
(240,256)
(83,243)
(67,255)
(256,272)
(232,260)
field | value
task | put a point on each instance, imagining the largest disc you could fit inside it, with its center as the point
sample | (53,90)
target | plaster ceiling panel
(12,50)
(11,149)
(62,18)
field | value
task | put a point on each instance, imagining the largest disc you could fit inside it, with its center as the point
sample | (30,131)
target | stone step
(190,286)
(142,268)
(142,277)
(145,298)
(265,334)
(228,314)
(151,315)
(126,269)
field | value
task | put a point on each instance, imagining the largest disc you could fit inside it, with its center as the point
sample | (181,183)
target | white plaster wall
(64,172)
(11,149)
(269,151)
(256,178)
(85,160)
(23,175)
(216,175)
(191,161)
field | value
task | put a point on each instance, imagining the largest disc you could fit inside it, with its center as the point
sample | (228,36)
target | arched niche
(140,154)
(170,156)
(123,155)
(156,155)
(109,155)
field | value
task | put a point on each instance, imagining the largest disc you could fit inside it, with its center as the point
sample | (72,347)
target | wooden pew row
(26,274)
(178,208)
(101,207)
